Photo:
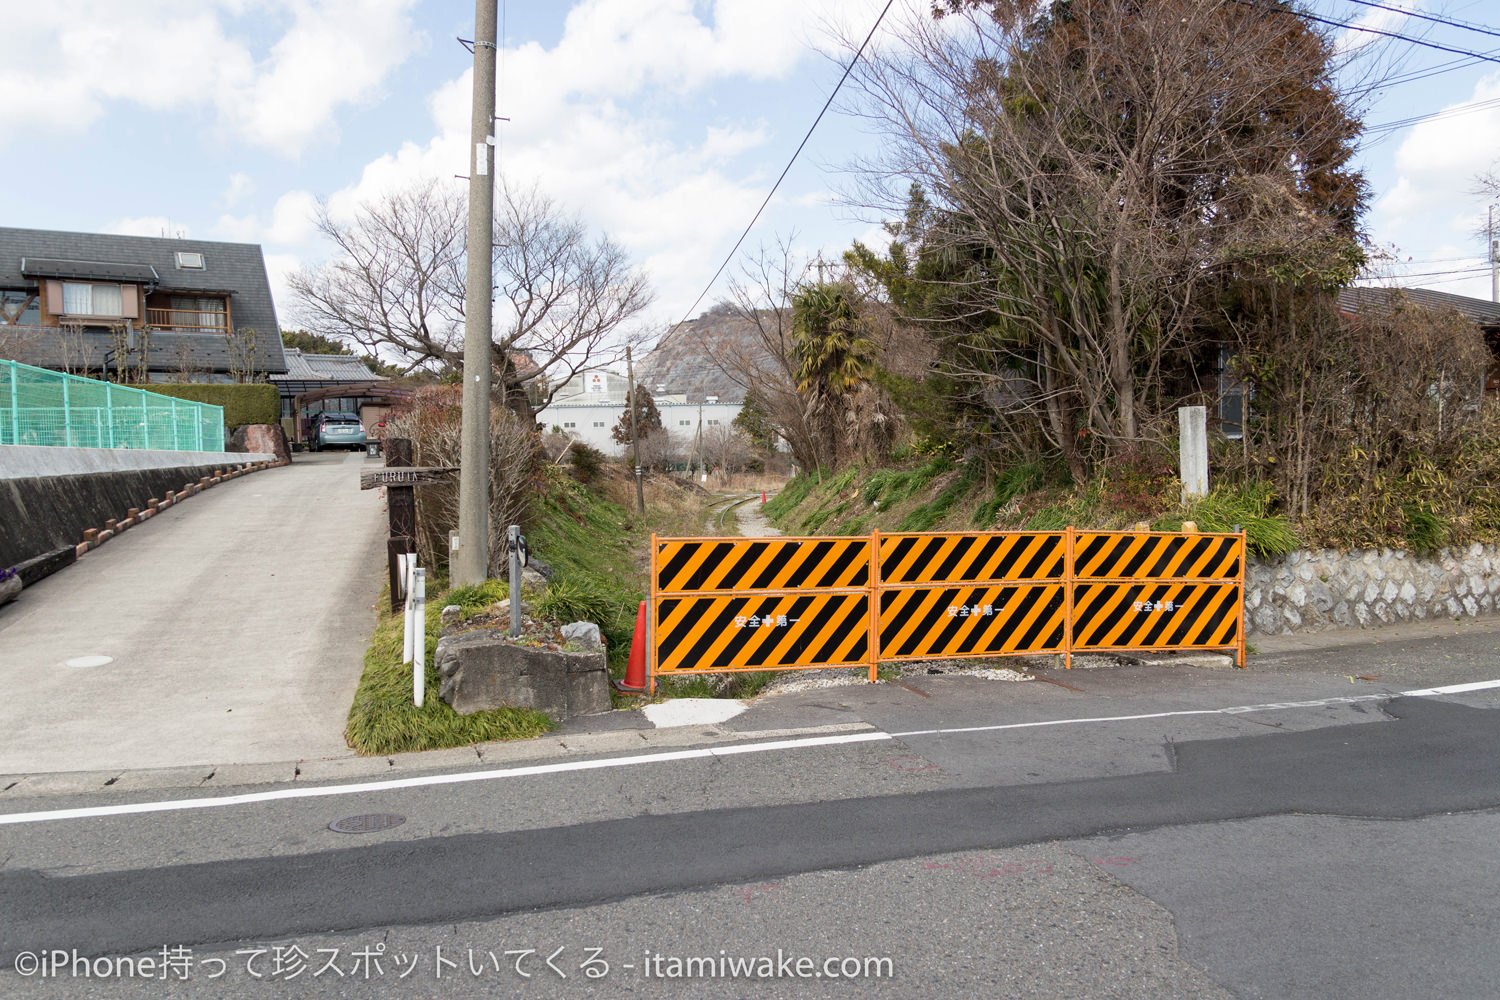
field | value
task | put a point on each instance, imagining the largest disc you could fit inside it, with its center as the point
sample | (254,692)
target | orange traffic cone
(635,670)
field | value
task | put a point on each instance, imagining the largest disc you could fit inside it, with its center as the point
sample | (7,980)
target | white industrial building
(590,404)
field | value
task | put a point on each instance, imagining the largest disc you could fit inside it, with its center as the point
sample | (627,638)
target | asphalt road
(1331,842)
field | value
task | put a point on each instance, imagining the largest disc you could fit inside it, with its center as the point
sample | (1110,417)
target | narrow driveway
(235,627)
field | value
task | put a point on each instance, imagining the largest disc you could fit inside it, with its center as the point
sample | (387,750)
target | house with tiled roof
(96,303)
(1484,313)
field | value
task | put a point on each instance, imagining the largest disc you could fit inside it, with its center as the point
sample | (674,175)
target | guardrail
(53,409)
(734,604)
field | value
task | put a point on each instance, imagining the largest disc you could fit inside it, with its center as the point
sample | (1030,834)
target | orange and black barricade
(983,593)
(1156,590)
(728,604)
(731,604)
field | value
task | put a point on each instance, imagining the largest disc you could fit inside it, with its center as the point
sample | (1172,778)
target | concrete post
(1192,450)
(473,559)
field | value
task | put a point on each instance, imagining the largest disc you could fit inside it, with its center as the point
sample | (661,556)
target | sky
(661,123)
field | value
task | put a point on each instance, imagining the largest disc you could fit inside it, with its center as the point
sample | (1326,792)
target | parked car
(336,430)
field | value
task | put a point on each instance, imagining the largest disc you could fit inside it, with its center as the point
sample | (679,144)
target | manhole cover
(89,661)
(368,823)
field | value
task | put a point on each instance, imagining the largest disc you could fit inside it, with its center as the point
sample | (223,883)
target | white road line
(394,784)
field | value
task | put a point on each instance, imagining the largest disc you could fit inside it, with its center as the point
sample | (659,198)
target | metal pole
(471,563)
(15,405)
(513,536)
(1494,259)
(109,411)
(635,436)
(67,413)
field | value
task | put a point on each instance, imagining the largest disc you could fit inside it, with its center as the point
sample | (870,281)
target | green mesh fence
(41,407)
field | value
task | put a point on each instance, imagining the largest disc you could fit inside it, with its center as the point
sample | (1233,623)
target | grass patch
(745,684)
(791,495)
(1246,507)
(383,719)
(1011,483)
(923,518)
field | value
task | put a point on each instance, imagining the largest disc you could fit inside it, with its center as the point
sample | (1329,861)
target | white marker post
(419,638)
(1192,451)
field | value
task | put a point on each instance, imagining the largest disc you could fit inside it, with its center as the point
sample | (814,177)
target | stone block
(483,670)
(1471,606)
(1403,611)
(1477,585)
(1341,615)
(1296,595)
(1372,591)
(1320,597)
(1291,619)
(1362,614)
(1382,611)
(1266,620)
(1453,608)
(1389,592)
(584,635)
(1305,573)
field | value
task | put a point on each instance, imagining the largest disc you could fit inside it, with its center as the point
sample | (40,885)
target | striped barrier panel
(1158,591)
(723,604)
(992,593)
(729,604)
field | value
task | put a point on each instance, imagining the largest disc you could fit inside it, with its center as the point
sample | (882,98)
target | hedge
(244,403)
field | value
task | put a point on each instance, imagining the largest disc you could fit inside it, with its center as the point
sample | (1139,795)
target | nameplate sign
(370,479)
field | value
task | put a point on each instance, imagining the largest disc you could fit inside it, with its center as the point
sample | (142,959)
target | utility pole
(471,563)
(1494,259)
(635,435)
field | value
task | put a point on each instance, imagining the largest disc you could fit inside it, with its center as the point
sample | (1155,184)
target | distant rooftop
(1364,299)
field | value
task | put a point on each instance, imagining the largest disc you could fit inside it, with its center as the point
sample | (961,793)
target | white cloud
(292,223)
(593,123)
(1432,207)
(68,60)
(241,186)
(147,225)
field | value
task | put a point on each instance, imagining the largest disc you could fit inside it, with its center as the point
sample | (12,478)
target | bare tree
(241,347)
(396,287)
(1085,175)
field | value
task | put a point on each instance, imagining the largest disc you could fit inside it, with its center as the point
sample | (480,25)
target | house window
(81,299)
(684,423)
(569,424)
(198,314)
(713,423)
(1232,398)
(19,308)
(192,261)
(598,423)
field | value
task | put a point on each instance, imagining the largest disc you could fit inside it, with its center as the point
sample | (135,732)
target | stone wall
(1323,588)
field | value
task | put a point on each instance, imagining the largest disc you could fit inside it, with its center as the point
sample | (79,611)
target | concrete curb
(209,778)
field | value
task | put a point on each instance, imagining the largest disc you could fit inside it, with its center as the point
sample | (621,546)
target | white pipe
(419,639)
(407,566)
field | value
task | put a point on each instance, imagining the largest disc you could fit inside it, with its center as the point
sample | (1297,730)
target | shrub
(244,403)
(432,420)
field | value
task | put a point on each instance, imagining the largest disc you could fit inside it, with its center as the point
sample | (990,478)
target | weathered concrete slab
(483,670)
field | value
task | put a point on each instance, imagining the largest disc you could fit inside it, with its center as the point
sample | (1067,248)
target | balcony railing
(188,320)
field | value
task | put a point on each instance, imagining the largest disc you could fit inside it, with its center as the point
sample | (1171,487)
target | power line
(1482,29)
(826,105)
(1453,112)
(1263,6)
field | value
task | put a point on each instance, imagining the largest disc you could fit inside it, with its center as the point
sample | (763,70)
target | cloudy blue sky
(660,122)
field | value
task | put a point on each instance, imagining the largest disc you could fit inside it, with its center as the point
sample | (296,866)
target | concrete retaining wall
(24,462)
(1324,589)
(49,497)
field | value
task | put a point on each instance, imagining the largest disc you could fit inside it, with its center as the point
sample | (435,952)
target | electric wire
(1269,8)
(1474,26)
(755,218)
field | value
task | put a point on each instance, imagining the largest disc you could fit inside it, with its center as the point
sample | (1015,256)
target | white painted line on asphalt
(249,798)
(394,784)
(1454,689)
